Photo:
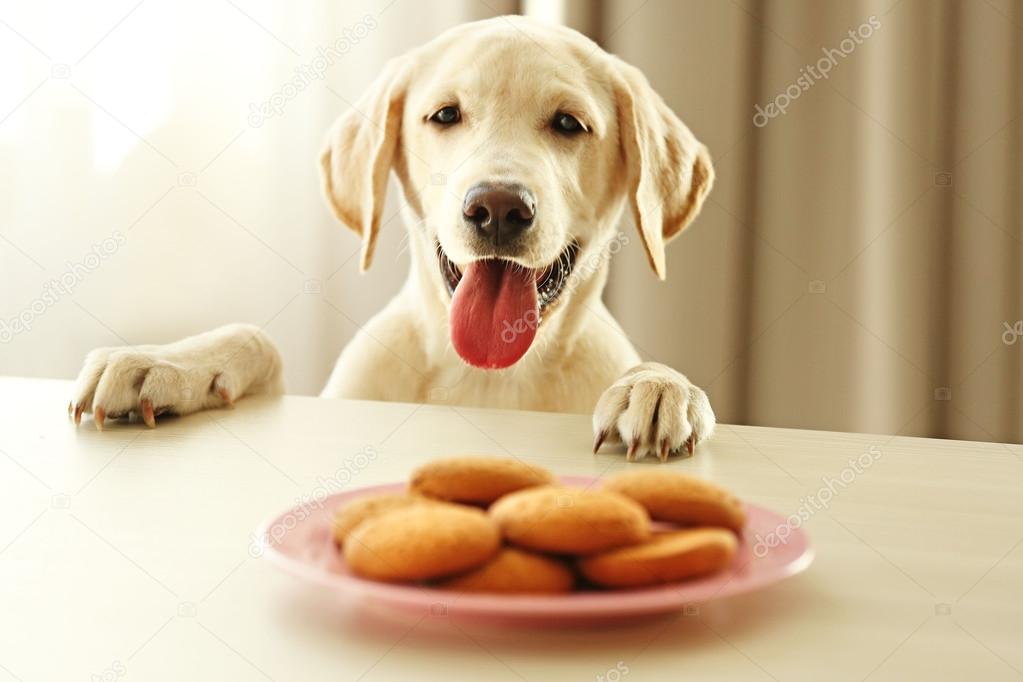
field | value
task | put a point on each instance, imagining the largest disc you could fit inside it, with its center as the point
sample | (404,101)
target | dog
(517,146)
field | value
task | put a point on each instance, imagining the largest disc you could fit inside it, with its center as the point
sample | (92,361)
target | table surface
(128,553)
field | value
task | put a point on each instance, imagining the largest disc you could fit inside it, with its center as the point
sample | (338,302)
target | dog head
(517,145)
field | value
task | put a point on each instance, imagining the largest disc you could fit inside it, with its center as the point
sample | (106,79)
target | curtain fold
(858,264)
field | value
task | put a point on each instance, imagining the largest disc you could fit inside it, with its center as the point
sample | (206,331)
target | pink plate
(300,541)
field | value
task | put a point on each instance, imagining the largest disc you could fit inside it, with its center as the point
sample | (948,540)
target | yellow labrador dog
(517,146)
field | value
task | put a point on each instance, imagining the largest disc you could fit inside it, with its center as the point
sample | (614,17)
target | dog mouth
(497,304)
(550,280)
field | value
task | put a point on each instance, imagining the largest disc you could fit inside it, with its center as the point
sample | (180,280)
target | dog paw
(653,409)
(119,382)
(201,372)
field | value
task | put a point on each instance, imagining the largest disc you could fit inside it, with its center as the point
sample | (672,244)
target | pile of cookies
(483,524)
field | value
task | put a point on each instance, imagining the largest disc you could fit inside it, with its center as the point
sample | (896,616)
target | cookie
(570,521)
(680,498)
(668,557)
(476,480)
(514,571)
(348,517)
(422,542)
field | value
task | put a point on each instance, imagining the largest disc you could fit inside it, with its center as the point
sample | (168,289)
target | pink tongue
(494,314)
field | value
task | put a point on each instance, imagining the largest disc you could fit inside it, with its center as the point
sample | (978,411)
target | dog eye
(447,116)
(567,124)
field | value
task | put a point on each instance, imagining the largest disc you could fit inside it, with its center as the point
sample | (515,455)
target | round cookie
(348,517)
(668,557)
(422,542)
(476,480)
(514,571)
(680,498)
(569,520)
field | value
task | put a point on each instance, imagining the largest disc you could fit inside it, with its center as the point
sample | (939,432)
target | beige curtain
(858,264)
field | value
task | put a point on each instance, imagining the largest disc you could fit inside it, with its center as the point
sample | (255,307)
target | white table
(126,554)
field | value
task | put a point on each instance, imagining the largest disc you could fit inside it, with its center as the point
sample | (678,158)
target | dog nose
(500,212)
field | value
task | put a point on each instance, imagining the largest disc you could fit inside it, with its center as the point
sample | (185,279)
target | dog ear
(669,172)
(360,150)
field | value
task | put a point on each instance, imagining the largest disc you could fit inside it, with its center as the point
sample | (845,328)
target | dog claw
(225,396)
(147,413)
(691,444)
(665,449)
(630,456)
(78,415)
(100,417)
(599,440)
(70,408)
